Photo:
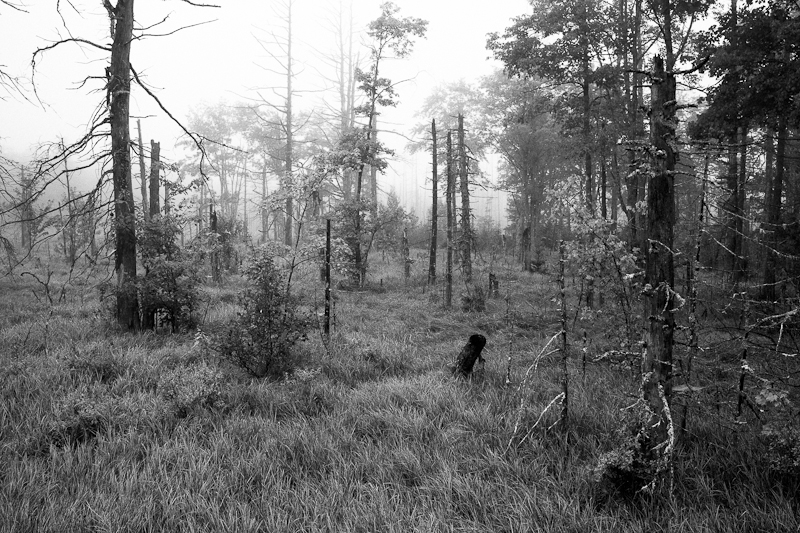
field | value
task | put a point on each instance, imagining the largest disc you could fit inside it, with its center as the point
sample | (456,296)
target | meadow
(102,430)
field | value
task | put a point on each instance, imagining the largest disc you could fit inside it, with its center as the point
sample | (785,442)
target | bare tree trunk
(70,247)
(406,256)
(142,174)
(327,324)
(202,209)
(434,207)
(27,212)
(216,271)
(373,172)
(448,291)
(466,223)
(603,188)
(772,211)
(244,220)
(587,154)
(636,183)
(119,88)
(614,190)
(264,210)
(659,270)
(692,271)
(564,418)
(155,171)
(287,236)
(740,261)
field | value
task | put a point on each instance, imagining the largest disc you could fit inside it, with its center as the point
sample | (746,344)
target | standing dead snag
(470,353)
(119,88)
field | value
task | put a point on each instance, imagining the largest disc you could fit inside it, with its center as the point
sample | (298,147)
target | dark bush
(169,289)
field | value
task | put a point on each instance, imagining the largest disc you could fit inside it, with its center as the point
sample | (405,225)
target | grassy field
(108,431)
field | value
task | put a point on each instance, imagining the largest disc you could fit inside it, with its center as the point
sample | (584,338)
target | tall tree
(280,47)
(391,36)
(434,204)
(449,192)
(466,223)
(142,175)
(155,170)
(115,116)
(119,89)
(659,304)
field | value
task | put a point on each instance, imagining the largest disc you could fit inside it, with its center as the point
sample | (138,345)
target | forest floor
(102,430)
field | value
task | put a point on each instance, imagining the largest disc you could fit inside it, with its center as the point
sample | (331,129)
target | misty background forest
(362,266)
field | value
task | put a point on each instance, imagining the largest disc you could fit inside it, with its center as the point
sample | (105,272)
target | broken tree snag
(470,353)
(155,186)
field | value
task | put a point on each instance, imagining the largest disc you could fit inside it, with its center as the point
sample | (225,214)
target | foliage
(373,405)
(383,226)
(392,220)
(598,253)
(635,463)
(170,284)
(92,410)
(782,430)
(261,339)
(188,387)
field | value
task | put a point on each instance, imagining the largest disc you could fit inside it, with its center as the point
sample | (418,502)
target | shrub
(473,299)
(170,286)
(95,362)
(91,410)
(260,340)
(185,388)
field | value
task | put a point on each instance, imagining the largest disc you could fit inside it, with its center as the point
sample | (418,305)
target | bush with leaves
(170,284)
(198,385)
(260,340)
(781,429)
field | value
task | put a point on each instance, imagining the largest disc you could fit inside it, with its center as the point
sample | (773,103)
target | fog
(212,55)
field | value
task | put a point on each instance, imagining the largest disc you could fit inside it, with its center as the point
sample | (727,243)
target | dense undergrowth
(108,431)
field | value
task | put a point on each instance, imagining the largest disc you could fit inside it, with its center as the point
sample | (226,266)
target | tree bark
(776,196)
(155,170)
(434,206)
(264,210)
(659,269)
(119,88)
(772,212)
(448,291)
(142,174)
(287,235)
(466,223)
(740,260)
(406,256)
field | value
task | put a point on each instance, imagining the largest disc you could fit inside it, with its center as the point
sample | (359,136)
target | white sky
(219,62)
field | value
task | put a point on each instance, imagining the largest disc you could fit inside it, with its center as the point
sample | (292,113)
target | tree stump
(470,353)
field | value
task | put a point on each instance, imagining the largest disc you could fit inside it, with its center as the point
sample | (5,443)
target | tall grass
(108,431)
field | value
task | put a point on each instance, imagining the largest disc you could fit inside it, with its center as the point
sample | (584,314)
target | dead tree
(466,223)
(119,91)
(434,208)
(142,175)
(155,189)
(448,295)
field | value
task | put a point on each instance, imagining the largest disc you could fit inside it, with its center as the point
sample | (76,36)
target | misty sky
(222,62)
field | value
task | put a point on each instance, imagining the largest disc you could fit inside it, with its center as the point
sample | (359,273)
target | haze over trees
(636,294)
